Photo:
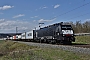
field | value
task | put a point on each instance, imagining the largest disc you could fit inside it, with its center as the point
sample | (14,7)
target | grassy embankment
(12,50)
(82,39)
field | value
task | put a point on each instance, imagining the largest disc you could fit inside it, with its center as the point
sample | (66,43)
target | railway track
(77,48)
(81,45)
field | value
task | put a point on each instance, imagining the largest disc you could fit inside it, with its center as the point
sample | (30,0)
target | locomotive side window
(66,27)
(30,34)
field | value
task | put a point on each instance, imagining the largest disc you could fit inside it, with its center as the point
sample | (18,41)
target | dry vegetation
(16,51)
(79,27)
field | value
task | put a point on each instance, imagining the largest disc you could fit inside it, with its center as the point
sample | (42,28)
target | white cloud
(7,26)
(44,7)
(2,19)
(6,7)
(17,16)
(42,20)
(86,20)
(56,6)
(31,17)
(34,17)
(34,20)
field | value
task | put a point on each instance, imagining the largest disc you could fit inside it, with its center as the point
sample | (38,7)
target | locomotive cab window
(66,27)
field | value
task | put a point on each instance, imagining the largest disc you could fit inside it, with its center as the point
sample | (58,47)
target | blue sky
(26,14)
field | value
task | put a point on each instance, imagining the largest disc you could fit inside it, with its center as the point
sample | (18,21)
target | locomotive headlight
(62,31)
(58,34)
(63,35)
(53,37)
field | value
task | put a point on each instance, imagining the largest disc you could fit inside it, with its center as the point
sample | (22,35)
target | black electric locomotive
(56,33)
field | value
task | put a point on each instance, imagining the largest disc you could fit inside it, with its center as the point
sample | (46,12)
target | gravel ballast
(63,47)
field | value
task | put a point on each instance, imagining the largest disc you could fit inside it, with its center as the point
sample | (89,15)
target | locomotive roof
(51,25)
(61,23)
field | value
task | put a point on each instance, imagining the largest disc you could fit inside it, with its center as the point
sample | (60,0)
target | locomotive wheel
(54,42)
(61,42)
(67,42)
(49,41)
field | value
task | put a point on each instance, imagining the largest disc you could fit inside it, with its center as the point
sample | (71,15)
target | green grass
(57,54)
(1,41)
(17,51)
(82,39)
(8,48)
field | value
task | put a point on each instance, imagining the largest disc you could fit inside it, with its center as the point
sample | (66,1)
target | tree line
(79,27)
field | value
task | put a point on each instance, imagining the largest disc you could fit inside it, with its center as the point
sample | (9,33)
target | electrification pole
(16,30)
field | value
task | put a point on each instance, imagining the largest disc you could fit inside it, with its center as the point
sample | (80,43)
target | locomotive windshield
(66,27)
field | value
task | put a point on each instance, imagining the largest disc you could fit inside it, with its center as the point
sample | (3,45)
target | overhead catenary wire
(79,16)
(84,4)
(71,10)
